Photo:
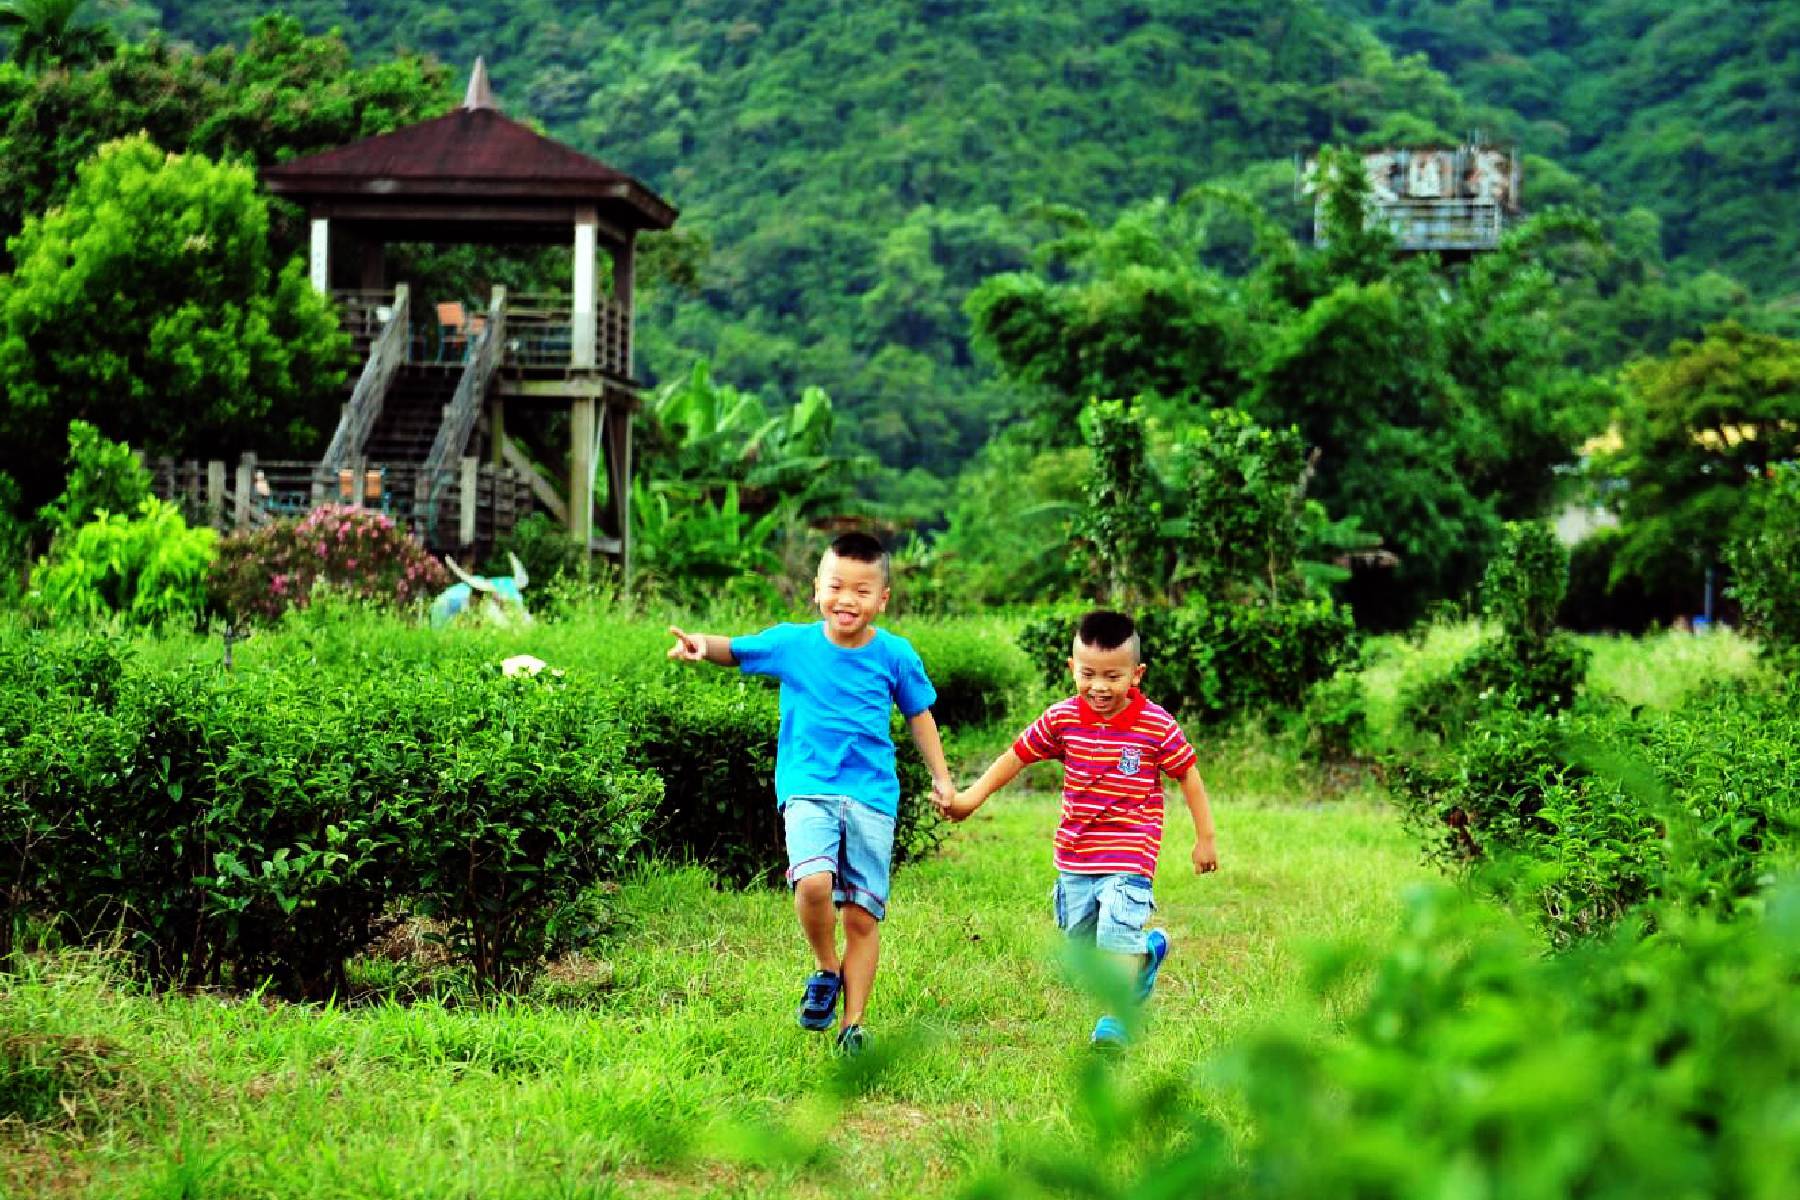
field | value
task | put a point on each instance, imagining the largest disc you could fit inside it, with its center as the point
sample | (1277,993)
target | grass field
(667,1062)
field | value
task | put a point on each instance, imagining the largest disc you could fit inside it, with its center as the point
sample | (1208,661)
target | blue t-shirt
(834,709)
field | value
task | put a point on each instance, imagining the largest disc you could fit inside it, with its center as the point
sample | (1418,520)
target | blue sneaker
(1156,948)
(852,1041)
(1109,1034)
(818,1006)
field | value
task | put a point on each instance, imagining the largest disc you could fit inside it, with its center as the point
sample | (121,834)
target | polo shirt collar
(1134,704)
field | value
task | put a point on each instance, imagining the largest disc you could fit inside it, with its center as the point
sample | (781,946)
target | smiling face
(850,594)
(1104,678)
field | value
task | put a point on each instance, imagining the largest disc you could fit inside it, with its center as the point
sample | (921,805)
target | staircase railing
(464,409)
(386,354)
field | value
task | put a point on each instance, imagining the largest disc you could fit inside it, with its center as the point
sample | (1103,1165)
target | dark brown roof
(474,154)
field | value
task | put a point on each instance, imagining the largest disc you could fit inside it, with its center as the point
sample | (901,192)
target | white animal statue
(496,599)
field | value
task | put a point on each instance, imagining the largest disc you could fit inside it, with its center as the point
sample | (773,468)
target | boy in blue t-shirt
(834,765)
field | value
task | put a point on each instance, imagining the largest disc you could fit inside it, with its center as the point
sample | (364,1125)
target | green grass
(672,1065)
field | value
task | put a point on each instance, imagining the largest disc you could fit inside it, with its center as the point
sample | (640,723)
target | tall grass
(665,1067)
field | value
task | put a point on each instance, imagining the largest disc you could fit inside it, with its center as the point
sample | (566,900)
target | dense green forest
(857,169)
(961,223)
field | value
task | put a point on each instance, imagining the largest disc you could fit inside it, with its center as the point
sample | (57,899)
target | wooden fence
(467,506)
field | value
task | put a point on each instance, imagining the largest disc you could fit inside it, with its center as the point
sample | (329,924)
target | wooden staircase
(412,412)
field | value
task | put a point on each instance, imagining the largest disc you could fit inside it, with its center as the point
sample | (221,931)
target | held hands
(1206,856)
(943,797)
(688,647)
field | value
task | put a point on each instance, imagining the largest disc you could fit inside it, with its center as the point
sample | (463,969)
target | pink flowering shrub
(261,573)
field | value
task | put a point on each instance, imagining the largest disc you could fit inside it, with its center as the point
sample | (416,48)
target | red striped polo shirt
(1112,813)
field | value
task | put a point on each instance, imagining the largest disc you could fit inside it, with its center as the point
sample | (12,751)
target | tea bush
(1590,814)
(1476,1066)
(1526,664)
(1214,662)
(713,745)
(1766,562)
(259,825)
(979,673)
(261,573)
(148,569)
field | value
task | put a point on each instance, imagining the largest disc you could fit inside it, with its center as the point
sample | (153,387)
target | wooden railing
(462,412)
(472,503)
(543,333)
(387,351)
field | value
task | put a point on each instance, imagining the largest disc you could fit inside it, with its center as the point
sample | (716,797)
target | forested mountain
(1691,109)
(857,167)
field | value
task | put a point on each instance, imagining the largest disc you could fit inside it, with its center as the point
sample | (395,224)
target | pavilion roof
(474,155)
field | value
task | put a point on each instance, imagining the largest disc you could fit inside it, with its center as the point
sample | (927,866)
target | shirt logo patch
(1129,761)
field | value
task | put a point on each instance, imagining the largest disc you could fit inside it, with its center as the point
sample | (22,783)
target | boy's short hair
(861,547)
(1104,629)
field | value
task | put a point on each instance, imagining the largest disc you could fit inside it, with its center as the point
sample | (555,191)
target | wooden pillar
(320,258)
(624,284)
(246,485)
(618,478)
(581,471)
(582,336)
(215,493)
(468,496)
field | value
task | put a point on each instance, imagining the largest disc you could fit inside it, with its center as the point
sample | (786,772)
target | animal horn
(520,579)
(474,581)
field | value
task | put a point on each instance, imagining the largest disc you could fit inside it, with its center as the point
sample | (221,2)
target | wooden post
(618,477)
(468,497)
(582,336)
(497,429)
(246,484)
(215,493)
(624,284)
(581,471)
(320,258)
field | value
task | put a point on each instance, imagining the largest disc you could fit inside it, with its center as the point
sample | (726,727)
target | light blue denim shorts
(1109,911)
(846,837)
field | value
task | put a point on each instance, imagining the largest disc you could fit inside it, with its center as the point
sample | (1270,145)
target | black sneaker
(818,1005)
(852,1040)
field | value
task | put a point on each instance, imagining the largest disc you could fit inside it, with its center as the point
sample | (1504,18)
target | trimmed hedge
(259,825)
(266,824)
(1593,813)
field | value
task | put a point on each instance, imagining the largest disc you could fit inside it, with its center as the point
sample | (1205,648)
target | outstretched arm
(701,647)
(1005,769)
(1206,850)
(931,749)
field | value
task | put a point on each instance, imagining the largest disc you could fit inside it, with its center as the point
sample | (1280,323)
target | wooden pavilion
(433,393)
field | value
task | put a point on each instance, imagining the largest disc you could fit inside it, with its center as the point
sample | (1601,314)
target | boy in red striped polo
(1115,746)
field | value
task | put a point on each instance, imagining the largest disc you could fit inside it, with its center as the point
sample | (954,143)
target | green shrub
(713,745)
(262,573)
(1591,814)
(104,477)
(1336,716)
(149,569)
(1766,562)
(1214,662)
(1472,1065)
(548,550)
(1525,665)
(978,673)
(258,825)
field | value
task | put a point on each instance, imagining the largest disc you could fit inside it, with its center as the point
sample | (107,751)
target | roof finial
(479,94)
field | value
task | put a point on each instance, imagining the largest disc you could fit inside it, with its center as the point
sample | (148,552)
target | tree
(48,33)
(1697,426)
(148,305)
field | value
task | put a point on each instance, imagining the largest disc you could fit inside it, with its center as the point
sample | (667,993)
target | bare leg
(818,919)
(862,948)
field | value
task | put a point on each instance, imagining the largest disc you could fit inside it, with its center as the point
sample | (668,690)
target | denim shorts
(846,837)
(1108,911)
